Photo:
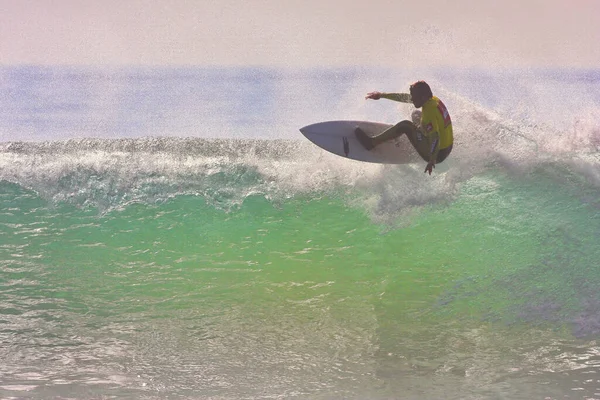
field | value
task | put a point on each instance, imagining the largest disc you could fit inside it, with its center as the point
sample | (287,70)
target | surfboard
(338,137)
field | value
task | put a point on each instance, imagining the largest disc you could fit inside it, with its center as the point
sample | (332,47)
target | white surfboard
(338,138)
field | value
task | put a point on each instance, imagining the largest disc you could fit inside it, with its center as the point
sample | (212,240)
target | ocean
(168,233)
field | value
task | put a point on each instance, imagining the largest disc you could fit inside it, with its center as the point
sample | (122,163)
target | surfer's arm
(434,146)
(431,130)
(401,97)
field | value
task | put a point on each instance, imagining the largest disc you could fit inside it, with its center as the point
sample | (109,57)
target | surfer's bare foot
(363,138)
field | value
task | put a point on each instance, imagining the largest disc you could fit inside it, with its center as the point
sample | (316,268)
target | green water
(492,293)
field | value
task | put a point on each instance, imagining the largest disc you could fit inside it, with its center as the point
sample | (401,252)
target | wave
(108,173)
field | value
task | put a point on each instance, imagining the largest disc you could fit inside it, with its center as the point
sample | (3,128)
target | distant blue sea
(169,233)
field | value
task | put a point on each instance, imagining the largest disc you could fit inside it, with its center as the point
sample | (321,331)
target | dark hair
(421,88)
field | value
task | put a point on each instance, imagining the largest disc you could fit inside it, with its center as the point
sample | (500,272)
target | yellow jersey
(437,126)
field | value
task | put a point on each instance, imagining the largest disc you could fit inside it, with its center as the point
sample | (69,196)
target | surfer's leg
(403,127)
(443,154)
(418,141)
(363,138)
(412,132)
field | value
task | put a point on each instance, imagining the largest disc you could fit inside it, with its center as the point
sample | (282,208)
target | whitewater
(169,233)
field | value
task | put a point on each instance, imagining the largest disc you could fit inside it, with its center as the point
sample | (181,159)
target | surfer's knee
(416,117)
(405,126)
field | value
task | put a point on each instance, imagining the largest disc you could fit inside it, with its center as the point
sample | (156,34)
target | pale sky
(301,33)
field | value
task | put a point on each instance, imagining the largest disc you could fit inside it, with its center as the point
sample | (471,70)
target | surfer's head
(420,92)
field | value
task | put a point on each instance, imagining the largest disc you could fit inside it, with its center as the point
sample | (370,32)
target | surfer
(430,132)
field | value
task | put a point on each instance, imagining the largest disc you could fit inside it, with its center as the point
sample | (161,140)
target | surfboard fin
(363,138)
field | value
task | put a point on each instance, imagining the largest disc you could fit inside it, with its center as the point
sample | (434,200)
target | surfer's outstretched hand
(429,168)
(373,95)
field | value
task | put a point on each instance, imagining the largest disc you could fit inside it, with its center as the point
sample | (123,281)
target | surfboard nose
(311,128)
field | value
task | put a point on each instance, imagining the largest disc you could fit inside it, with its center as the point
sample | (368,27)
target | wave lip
(113,172)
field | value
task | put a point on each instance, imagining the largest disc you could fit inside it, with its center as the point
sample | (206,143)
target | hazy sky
(301,32)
